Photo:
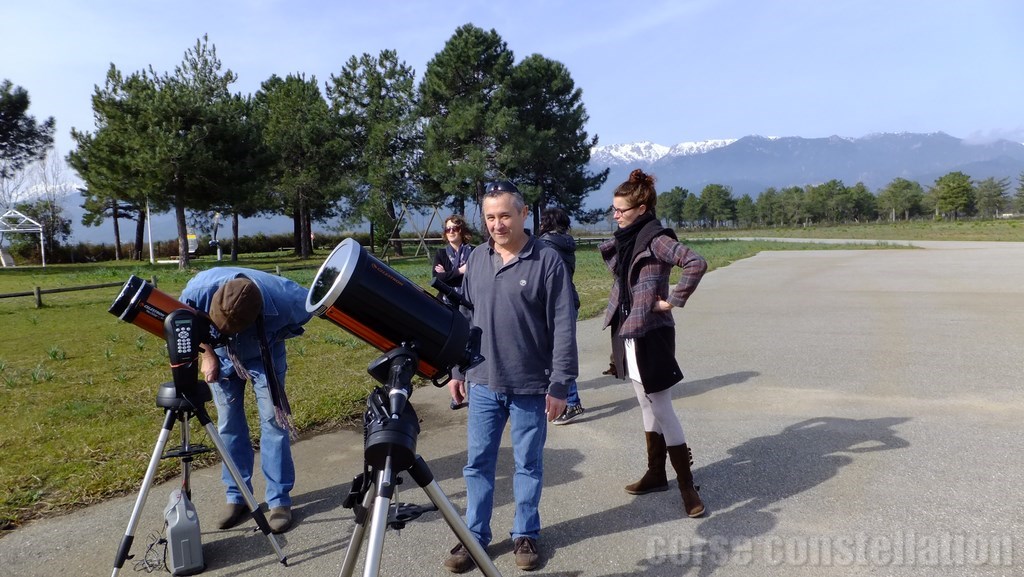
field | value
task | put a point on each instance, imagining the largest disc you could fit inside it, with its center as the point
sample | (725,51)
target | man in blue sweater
(522,301)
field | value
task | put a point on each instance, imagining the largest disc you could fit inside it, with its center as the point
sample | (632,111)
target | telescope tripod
(179,406)
(390,448)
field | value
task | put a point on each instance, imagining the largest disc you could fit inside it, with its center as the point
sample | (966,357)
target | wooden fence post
(39,297)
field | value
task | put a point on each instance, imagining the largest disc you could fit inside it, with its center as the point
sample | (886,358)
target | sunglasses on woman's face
(451,229)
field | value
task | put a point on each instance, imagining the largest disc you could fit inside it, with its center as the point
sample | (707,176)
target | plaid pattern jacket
(649,281)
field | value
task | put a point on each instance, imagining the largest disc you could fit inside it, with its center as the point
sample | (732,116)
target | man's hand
(457,389)
(555,407)
(210,365)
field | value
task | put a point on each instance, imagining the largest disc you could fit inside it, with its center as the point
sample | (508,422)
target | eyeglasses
(453,229)
(621,211)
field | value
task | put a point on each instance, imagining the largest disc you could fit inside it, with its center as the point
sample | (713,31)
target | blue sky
(665,71)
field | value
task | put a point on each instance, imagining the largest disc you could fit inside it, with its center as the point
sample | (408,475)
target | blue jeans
(275,446)
(572,398)
(488,414)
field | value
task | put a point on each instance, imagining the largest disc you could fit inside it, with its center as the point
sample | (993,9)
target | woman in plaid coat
(641,257)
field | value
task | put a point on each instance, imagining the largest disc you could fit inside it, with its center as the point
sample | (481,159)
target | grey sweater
(526,312)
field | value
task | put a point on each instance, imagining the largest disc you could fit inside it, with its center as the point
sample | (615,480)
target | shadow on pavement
(740,491)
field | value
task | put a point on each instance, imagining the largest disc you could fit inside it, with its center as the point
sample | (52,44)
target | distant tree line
(951,197)
(369,145)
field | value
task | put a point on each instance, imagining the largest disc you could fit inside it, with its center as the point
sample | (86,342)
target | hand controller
(180,330)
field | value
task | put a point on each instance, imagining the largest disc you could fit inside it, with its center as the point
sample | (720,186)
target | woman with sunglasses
(450,261)
(641,256)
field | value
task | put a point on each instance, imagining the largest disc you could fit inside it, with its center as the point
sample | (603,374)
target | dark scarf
(282,408)
(625,243)
(460,256)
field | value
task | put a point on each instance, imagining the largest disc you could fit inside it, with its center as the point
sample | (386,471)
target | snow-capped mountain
(752,164)
(648,153)
(643,152)
(688,148)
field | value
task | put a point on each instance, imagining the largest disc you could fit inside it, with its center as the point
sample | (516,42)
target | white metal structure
(16,222)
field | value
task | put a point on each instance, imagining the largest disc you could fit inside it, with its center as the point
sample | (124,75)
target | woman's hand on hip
(662,306)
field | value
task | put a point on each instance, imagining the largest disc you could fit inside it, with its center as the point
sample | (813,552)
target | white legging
(658,414)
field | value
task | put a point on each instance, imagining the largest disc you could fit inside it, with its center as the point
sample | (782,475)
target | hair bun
(639,177)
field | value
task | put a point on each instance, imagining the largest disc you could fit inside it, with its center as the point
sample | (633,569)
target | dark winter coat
(451,275)
(565,245)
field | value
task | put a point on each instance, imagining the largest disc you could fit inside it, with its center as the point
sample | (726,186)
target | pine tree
(107,159)
(178,141)
(457,102)
(378,97)
(544,145)
(746,212)
(954,194)
(991,196)
(901,198)
(305,142)
(670,205)
(1018,197)
(718,203)
(22,139)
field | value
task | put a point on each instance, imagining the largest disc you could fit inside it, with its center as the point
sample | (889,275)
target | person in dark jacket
(554,231)
(450,261)
(640,257)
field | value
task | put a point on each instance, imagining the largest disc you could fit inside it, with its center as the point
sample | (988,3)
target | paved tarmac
(855,412)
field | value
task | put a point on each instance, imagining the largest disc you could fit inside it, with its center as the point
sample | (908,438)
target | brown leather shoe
(459,561)
(233,515)
(280,519)
(525,550)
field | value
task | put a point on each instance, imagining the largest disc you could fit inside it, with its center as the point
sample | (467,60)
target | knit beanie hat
(235,306)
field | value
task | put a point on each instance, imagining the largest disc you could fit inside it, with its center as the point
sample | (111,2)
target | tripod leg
(186,460)
(250,501)
(358,533)
(425,479)
(385,488)
(147,482)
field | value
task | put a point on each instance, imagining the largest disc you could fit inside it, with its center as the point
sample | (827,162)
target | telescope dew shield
(146,307)
(369,299)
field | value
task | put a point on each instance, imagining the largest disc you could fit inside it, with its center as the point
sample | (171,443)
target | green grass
(79,386)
